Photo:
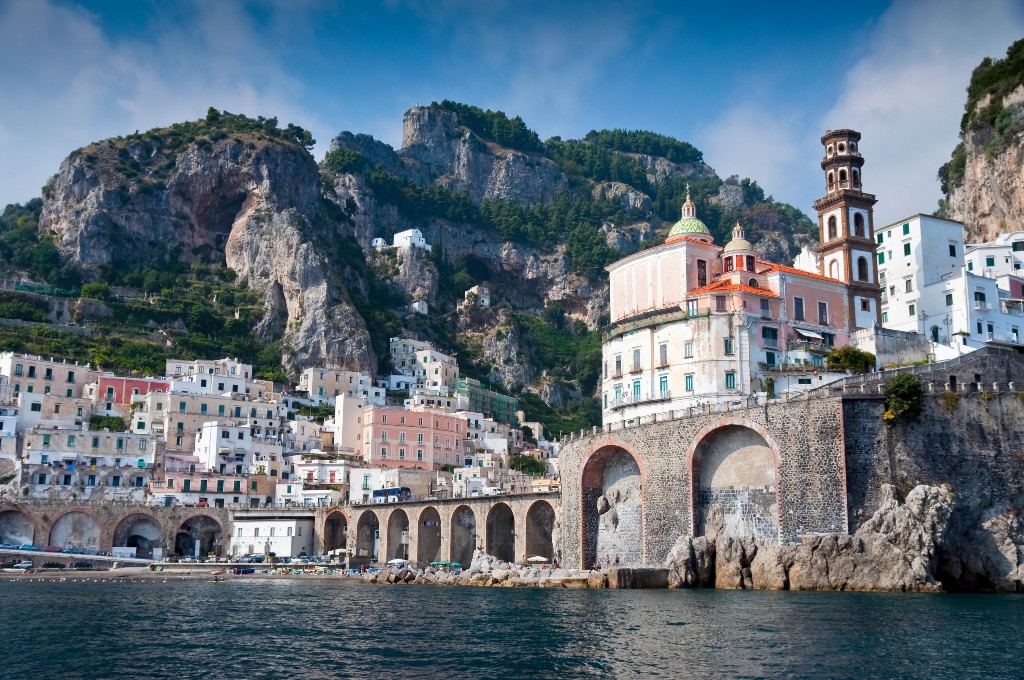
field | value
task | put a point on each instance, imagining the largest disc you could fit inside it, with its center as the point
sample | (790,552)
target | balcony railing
(982,305)
(636,369)
(632,400)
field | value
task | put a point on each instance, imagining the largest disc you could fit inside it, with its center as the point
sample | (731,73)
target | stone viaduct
(510,527)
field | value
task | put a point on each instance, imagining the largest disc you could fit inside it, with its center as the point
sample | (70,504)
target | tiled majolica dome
(689,225)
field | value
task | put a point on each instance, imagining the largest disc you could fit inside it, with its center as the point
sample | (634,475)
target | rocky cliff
(983,182)
(250,200)
(896,549)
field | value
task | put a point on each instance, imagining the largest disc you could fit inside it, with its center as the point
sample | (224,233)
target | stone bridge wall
(806,436)
(107,516)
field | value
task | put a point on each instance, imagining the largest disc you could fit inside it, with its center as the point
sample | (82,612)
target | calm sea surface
(327,629)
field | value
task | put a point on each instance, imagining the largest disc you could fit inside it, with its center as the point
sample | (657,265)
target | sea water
(308,628)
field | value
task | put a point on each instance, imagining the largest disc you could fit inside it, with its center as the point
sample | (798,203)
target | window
(858,224)
(618,364)
(865,305)
(862,269)
(730,381)
(688,349)
(702,273)
(990,262)
(36,406)
(663,385)
(71,440)
(19,369)
(878,237)
(689,382)
(908,285)
(636,359)
(770,336)
(949,299)
(769,359)
(906,228)
(952,249)
(663,354)
(885,317)
(1014,333)
(728,264)
(766,310)
(906,249)
(832,231)
(881,258)
(970,266)
(636,389)
(691,308)
(719,303)
(911,310)
(727,345)
(798,309)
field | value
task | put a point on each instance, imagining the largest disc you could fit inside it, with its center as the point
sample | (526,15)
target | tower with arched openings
(845,221)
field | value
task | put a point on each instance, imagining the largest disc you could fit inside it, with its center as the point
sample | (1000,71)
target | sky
(753,85)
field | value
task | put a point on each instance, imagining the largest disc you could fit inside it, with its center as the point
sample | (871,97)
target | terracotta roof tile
(724,286)
(773,267)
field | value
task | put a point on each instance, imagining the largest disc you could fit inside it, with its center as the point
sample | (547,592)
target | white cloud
(763,144)
(906,94)
(70,84)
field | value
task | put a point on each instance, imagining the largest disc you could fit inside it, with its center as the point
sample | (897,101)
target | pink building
(119,390)
(394,437)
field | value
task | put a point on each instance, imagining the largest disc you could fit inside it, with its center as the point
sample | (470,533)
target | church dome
(688,224)
(738,242)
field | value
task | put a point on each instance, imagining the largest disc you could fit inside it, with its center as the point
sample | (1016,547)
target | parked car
(28,546)
(53,548)
(24,565)
(8,546)
(52,565)
(82,564)
(74,551)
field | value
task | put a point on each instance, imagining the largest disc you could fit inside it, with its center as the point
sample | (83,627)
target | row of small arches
(858,226)
(831,178)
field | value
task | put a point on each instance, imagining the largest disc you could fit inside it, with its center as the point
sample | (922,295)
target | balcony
(982,306)
(636,369)
(631,400)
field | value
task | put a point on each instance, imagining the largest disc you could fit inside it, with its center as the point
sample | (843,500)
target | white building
(958,300)
(403,240)
(227,367)
(283,536)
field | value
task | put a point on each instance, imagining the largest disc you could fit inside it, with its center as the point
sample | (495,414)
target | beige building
(325,384)
(35,375)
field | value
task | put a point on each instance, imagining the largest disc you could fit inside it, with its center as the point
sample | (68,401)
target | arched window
(856,178)
(832,227)
(833,270)
(858,224)
(862,269)
(831,180)
(842,148)
(752,283)
(842,175)
(935,333)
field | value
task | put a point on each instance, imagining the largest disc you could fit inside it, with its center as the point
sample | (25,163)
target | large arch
(428,536)
(462,538)
(138,531)
(540,523)
(501,532)
(16,527)
(335,531)
(734,473)
(199,535)
(398,535)
(75,529)
(612,507)
(367,536)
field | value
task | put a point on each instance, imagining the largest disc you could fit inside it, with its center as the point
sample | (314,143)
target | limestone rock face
(458,159)
(990,200)
(896,549)
(256,202)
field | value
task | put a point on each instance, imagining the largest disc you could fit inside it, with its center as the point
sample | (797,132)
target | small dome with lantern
(738,244)
(688,225)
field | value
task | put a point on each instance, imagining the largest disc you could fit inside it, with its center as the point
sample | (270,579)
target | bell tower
(845,223)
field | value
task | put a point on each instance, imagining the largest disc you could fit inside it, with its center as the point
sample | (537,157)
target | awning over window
(810,335)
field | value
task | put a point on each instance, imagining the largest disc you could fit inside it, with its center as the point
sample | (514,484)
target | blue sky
(753,86)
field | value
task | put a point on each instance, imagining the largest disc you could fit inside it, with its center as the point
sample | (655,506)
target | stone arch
(863,273)
(368,536)
(428,536)
(462,535)
(501,532)
(200,535)
(833,228)
(842,175)
(398,535)
(734,472)
(139,531)
(612,506)
(17,527)
(833,269)
(75,529)
(858,224)
(540,524)
(335,531)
